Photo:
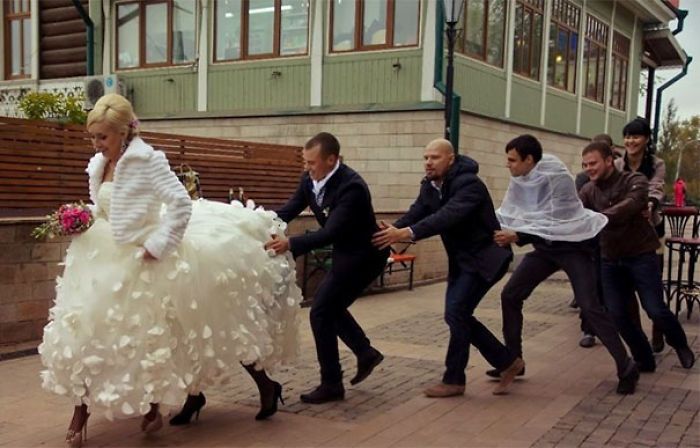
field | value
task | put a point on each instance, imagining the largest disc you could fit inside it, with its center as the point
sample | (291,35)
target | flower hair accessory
(133,124)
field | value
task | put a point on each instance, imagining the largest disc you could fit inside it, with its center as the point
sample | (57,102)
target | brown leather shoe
(442,390)
(508,375)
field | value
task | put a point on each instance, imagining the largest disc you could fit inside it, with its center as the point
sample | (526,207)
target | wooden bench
(399,261)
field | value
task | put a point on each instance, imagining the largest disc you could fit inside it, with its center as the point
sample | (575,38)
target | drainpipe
(659,91)
(681,14)
(90,37)
(437,78)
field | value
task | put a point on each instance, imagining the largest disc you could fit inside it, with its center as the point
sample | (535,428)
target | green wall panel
(274,85)
(601,9)
(525,102)
(592,119)
(482,88)
(616,122)
(624,20)
(369,78)
(161,92)
(560,112)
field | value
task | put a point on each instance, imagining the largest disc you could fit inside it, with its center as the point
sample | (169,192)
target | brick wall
(28,269)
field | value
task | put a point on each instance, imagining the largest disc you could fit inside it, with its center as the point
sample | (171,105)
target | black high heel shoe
(192,406)
(268,412)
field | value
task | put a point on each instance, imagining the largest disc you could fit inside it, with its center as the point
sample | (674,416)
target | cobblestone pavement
(567,398)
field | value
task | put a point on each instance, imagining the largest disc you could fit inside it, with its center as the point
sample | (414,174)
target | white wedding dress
(126,332)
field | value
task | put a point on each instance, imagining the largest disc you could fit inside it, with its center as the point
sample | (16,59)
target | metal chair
(682,285)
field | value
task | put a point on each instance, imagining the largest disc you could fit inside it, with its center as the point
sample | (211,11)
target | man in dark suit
(341,202)
(455,204)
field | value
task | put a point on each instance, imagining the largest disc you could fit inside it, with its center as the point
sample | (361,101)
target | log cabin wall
(63,40)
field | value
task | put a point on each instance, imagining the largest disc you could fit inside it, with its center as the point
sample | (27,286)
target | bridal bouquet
(69,219)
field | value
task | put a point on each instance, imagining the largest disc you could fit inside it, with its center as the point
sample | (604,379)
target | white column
(580,78)
(633,61)
(203,56)
(316,88)
(545,57)
(427,91)
(35,50)
(508,49)
(107,38)
(609,68)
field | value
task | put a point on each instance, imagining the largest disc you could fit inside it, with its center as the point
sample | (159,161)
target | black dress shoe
(686,357)
(366,364)
(324,393)
(496,373)
(628,382)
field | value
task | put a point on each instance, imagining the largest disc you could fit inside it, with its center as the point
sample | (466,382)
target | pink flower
(85,217)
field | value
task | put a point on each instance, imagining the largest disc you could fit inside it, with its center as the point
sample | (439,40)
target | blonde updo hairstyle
(117,112)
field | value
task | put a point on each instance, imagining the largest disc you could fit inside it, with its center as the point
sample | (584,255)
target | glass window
(484,27)
(153,34)
(261,22)
(184,36)
(272,28)
(383,24)
(595,49)
(406,14)
(229,16)
(374,22)
(18,39)
(563,45)
(156,33)
(527,45)
(295,27)
(620,57)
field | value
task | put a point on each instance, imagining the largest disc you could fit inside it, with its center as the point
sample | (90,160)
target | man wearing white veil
(542,208)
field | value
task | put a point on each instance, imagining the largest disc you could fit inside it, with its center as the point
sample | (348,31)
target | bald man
(455,204)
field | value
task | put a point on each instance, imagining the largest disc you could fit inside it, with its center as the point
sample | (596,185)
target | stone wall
(386,148)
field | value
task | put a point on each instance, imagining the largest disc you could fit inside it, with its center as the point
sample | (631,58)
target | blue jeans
(464,292)
(641,273)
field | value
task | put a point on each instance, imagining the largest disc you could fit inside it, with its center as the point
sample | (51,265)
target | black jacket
(346,217)
(462,214)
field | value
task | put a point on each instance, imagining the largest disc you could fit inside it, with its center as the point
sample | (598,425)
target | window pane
(15,52)
(228,29)
(615,97)
(183,31)
(474,34)
(156,33)
(497,20)
(519,39)
(128,31)
(261,23)
(27,44)
(600,88)
(406,22)
(527,41)
(573,54)
(556,70)
(592,70)
(295,27)
(374,22)
(343,25)
(17,6)
(536,46)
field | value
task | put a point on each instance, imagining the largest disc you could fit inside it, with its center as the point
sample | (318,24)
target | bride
(162,295)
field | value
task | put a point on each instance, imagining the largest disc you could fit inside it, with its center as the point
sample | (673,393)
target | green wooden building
(367,70)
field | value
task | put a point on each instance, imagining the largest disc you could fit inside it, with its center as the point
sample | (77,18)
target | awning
(661,49)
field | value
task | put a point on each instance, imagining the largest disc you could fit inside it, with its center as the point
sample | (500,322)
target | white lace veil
(545,203)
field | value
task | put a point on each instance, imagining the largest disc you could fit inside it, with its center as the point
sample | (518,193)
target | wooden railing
(42,165)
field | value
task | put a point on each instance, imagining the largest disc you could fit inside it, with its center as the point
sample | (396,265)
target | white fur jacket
(143,182)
